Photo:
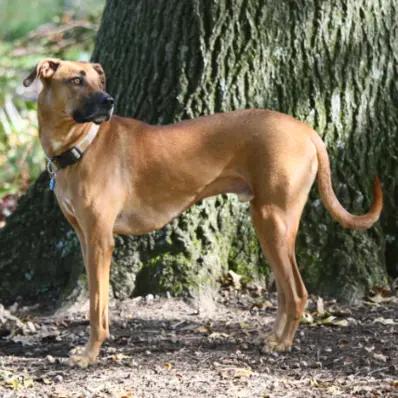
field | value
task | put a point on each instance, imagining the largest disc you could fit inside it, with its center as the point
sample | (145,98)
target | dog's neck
(60,134)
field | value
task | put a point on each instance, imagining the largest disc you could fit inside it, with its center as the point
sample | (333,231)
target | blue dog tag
(52,183)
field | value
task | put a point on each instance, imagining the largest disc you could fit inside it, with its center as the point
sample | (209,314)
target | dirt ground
(166,347)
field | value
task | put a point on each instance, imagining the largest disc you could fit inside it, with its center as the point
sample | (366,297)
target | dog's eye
(77,81)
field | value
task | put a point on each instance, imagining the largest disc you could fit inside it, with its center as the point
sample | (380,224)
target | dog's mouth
(97,118)
(102,117)
(97,108)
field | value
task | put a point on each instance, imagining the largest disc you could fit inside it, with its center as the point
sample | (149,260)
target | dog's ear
(44,69)
(98,68)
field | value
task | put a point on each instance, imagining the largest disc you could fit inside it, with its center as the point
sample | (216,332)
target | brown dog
(134,178)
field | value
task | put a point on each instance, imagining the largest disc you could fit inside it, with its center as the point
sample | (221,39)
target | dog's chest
(66,205)
(65,199)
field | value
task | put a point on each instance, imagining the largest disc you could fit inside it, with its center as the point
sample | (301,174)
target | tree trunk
(329,63)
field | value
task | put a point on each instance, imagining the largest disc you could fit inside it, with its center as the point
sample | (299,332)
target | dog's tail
(329,199)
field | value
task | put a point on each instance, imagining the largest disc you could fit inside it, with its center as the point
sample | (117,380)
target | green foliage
(19,17)
(21,158)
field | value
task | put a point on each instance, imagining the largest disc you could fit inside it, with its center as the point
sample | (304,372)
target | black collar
(74,154)
(67,158)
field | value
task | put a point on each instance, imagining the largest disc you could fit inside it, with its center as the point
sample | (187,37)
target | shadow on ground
(165,347)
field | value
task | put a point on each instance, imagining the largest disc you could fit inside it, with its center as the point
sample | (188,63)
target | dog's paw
(81,358)
(272,344)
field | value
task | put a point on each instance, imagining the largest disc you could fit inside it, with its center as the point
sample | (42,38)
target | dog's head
(74,89)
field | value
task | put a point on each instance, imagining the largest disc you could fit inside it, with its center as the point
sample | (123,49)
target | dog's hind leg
(276,231)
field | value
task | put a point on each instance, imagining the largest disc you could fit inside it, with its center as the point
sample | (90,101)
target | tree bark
(329,63)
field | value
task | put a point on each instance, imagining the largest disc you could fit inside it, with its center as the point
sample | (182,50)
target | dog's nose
(108,101)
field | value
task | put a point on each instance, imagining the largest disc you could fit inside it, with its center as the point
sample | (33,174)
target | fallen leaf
(240,373)
(215,336)
(244,325)
(385,321)
(262,305)
(333,321)
(168,365)
(17,382)
(341,322)
(235,279)
(128,394)
(333,390)
(235,373)
(378,298)
(307,319)
(31,328)
(201,329)
(24,340)
(320,306)
(50,359)
(380,357)
(119,357)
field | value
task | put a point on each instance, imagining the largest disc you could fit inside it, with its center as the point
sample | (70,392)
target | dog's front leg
(98,250)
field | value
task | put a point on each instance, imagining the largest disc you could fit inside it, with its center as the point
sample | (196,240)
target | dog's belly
(139,220)
(130,222)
